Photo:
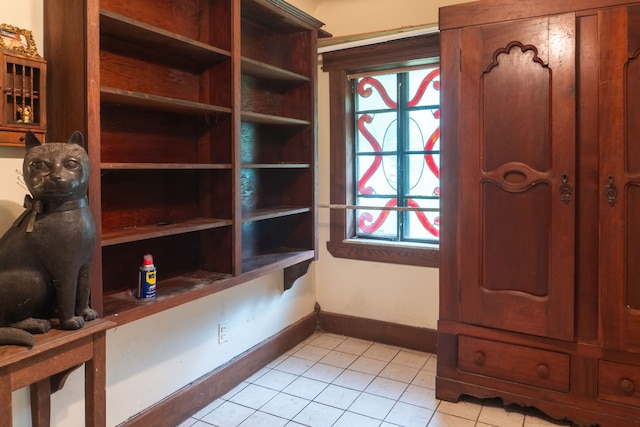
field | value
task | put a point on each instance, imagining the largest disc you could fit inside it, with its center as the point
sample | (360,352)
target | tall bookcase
(200,121)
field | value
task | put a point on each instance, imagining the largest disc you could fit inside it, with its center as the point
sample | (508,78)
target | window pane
(424,87)
(422,225)
(423,174)
(377,175)
(424,130)
(377,132)
(421,181)
(377,223)
(377,93)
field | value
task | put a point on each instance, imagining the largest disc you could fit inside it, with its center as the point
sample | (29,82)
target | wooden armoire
(540,229)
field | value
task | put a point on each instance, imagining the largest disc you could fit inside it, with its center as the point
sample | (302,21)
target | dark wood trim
(449,154)
(195,396)
(340,129)
(297,18)
(411,337)
(488,11)
(391,54)
(420,257)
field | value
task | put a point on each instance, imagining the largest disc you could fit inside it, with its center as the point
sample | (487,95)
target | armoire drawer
(619,383)
(525,365)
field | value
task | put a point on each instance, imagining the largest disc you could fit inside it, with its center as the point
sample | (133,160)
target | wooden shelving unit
(150,101)
(134,31)
(262,70)
(200,119)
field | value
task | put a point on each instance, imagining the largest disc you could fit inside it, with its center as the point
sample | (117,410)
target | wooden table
(46,366)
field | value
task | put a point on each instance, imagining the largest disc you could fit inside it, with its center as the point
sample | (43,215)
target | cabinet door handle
(565,190)
(611,191)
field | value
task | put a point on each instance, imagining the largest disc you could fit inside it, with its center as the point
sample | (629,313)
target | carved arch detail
(505,50)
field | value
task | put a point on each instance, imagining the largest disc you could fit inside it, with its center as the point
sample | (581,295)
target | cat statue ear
(31,140)
(77,139)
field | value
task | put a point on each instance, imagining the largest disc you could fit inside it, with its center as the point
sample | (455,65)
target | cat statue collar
(35,207)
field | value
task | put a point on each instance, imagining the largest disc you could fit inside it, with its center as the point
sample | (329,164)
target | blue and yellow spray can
(147,278)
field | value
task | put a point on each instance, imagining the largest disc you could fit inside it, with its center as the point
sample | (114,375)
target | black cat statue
(45,257)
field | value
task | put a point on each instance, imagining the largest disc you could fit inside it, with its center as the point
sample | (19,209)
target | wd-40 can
(147,278)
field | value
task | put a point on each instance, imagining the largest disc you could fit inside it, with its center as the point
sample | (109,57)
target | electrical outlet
(223,332)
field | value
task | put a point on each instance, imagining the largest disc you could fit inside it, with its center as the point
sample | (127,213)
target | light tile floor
(332,380)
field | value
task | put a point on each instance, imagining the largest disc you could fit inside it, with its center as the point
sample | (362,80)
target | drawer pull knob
(626,386)
(479,357)
(543,371)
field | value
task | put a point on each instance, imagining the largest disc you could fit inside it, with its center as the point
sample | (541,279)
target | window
(385,151)
(397,122)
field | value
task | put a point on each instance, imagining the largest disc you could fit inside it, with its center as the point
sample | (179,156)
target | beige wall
(28,16)
(345,17)
(143,356)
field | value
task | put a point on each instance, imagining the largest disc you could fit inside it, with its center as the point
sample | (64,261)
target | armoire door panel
(632,112)
(632,251)
(517,130)
(633,18)
(515,241)
(620,176)
(517,176)
(632,160)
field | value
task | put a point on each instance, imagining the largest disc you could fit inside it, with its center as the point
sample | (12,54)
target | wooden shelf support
(293,273)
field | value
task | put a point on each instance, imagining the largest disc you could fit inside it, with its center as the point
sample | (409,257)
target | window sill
(389,253)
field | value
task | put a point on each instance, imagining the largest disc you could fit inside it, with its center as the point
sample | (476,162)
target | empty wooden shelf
(200,119)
